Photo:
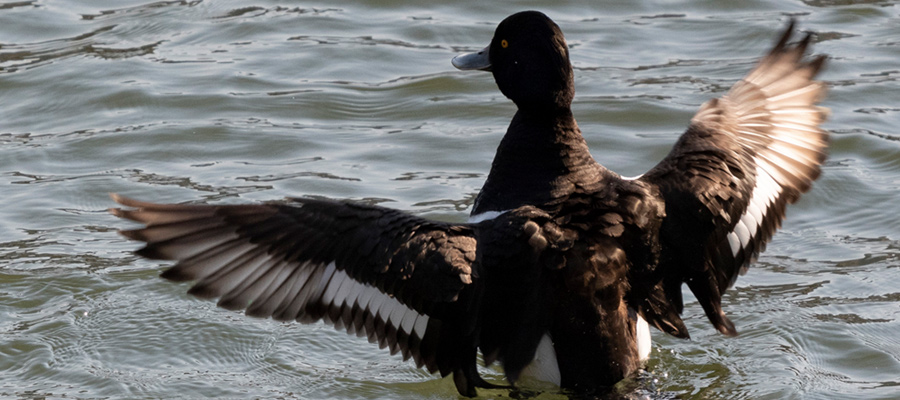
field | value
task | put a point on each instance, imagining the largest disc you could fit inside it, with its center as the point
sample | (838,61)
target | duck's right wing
(404,281)
(728,179)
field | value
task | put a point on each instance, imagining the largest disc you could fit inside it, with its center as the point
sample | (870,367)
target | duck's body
(563,259)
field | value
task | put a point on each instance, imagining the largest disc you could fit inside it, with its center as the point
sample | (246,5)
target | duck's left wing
(402,280)
(728,179)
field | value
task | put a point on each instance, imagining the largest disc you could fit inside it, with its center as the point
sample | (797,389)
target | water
(233,102)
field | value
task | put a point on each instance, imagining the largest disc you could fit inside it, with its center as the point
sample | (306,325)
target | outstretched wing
(402,280)
(727,181)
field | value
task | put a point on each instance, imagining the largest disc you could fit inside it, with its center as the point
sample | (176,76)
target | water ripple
(19,56)
(363,40)
(257,11)
(15,4)
(143,10)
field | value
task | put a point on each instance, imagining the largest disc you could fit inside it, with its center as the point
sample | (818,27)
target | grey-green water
(224,101)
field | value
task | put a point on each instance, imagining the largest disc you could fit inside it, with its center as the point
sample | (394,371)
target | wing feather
(729,178)
(368,270)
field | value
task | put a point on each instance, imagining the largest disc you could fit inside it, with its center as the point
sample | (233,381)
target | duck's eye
(504,44)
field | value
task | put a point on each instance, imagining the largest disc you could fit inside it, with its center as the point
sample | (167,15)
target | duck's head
(530,62)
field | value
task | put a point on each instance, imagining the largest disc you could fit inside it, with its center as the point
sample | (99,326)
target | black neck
(542,157)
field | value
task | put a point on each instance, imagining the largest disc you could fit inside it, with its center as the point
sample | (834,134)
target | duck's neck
(541,158)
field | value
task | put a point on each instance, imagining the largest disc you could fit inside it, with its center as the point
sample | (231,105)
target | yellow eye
(504,44)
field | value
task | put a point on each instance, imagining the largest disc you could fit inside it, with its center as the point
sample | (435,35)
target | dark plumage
(564,251)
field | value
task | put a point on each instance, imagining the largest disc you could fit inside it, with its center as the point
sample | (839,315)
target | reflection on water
(227,102)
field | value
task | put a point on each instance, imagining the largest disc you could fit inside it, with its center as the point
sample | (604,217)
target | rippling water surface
(225,101)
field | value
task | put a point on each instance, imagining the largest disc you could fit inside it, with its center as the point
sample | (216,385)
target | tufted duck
(563,264)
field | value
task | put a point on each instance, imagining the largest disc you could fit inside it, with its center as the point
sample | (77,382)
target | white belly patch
(642,333)
(544,366)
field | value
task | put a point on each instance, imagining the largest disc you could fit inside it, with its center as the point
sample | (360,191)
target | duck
(563,266)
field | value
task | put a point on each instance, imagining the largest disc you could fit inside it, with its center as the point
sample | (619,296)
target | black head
(530,62)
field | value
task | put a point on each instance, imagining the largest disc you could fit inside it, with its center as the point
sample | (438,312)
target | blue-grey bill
(470,61)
